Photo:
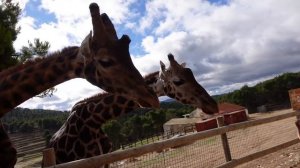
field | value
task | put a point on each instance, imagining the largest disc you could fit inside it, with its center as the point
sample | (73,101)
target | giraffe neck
(87,117)
(81,135)
(103,107)
(33,78)
(8,153)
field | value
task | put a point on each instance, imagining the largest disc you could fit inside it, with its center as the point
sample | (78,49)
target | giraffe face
(180,83)
(155,83)
(108,64)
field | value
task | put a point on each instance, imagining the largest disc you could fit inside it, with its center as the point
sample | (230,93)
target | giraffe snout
(148,99)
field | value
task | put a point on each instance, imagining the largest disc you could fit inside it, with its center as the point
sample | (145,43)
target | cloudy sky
(226,43)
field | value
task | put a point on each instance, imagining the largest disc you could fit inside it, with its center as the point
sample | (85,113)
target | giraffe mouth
(143,103)
(148,103)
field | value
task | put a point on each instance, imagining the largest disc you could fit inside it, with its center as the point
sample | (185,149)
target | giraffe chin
(143,103)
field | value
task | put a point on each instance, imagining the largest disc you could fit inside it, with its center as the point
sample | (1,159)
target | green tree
(47,135)
(112,129)
(9,13)
(158,118)
(36,49)
(269,92)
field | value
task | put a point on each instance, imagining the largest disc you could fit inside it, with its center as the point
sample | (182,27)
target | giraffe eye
(178,82)
(106,63)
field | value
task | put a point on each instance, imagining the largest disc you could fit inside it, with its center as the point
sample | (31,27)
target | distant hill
(271,92)
(26,120)
(168,100)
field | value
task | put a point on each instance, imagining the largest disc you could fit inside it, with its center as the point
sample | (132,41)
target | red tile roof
(228,107)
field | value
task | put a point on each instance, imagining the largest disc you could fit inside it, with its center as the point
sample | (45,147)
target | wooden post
(225,143)
(49,157)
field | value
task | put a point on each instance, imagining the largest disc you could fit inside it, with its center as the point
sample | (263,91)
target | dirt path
(285,158)
(29,161)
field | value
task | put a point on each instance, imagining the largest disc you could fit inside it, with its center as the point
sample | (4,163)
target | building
(230,108)
(180,125)
(232,113)
(295,98)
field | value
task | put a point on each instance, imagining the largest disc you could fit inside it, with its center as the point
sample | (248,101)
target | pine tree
(9,13)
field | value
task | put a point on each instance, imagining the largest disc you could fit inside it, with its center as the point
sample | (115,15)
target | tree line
(28,120)
(131,127)
(273,91)
(143,123)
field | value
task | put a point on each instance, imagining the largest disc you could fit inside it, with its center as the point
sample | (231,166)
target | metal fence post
(225,143)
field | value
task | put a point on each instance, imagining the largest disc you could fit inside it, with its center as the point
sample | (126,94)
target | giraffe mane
(22,66)
(18,67)
(94,97)
(151,75)
(150,78)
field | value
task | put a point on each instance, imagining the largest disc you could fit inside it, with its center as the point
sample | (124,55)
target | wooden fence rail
(184,140)
(236,162)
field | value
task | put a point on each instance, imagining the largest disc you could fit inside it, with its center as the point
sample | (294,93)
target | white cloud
(65,10)
(72,23)
(224,45)
(67,94)
(51,32)
(22,3)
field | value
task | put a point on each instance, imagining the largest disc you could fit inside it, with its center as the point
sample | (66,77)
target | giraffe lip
(153,103)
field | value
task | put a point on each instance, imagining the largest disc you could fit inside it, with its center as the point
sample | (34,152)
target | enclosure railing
(239,143)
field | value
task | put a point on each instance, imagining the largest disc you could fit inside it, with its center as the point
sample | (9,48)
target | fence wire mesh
(209,152)
(206,152)
(246,139)
(257,138)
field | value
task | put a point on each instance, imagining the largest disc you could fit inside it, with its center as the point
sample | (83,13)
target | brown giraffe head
(108,64)
(180,83)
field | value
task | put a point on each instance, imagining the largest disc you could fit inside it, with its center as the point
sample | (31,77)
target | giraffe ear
(183,65)
(162,70)
(162,66)
(85,47)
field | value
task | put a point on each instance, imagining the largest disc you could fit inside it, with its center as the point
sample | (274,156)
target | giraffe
(180,83)
(102,59)
(81,135)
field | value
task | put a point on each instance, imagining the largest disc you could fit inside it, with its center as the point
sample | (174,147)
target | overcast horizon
(226,43)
